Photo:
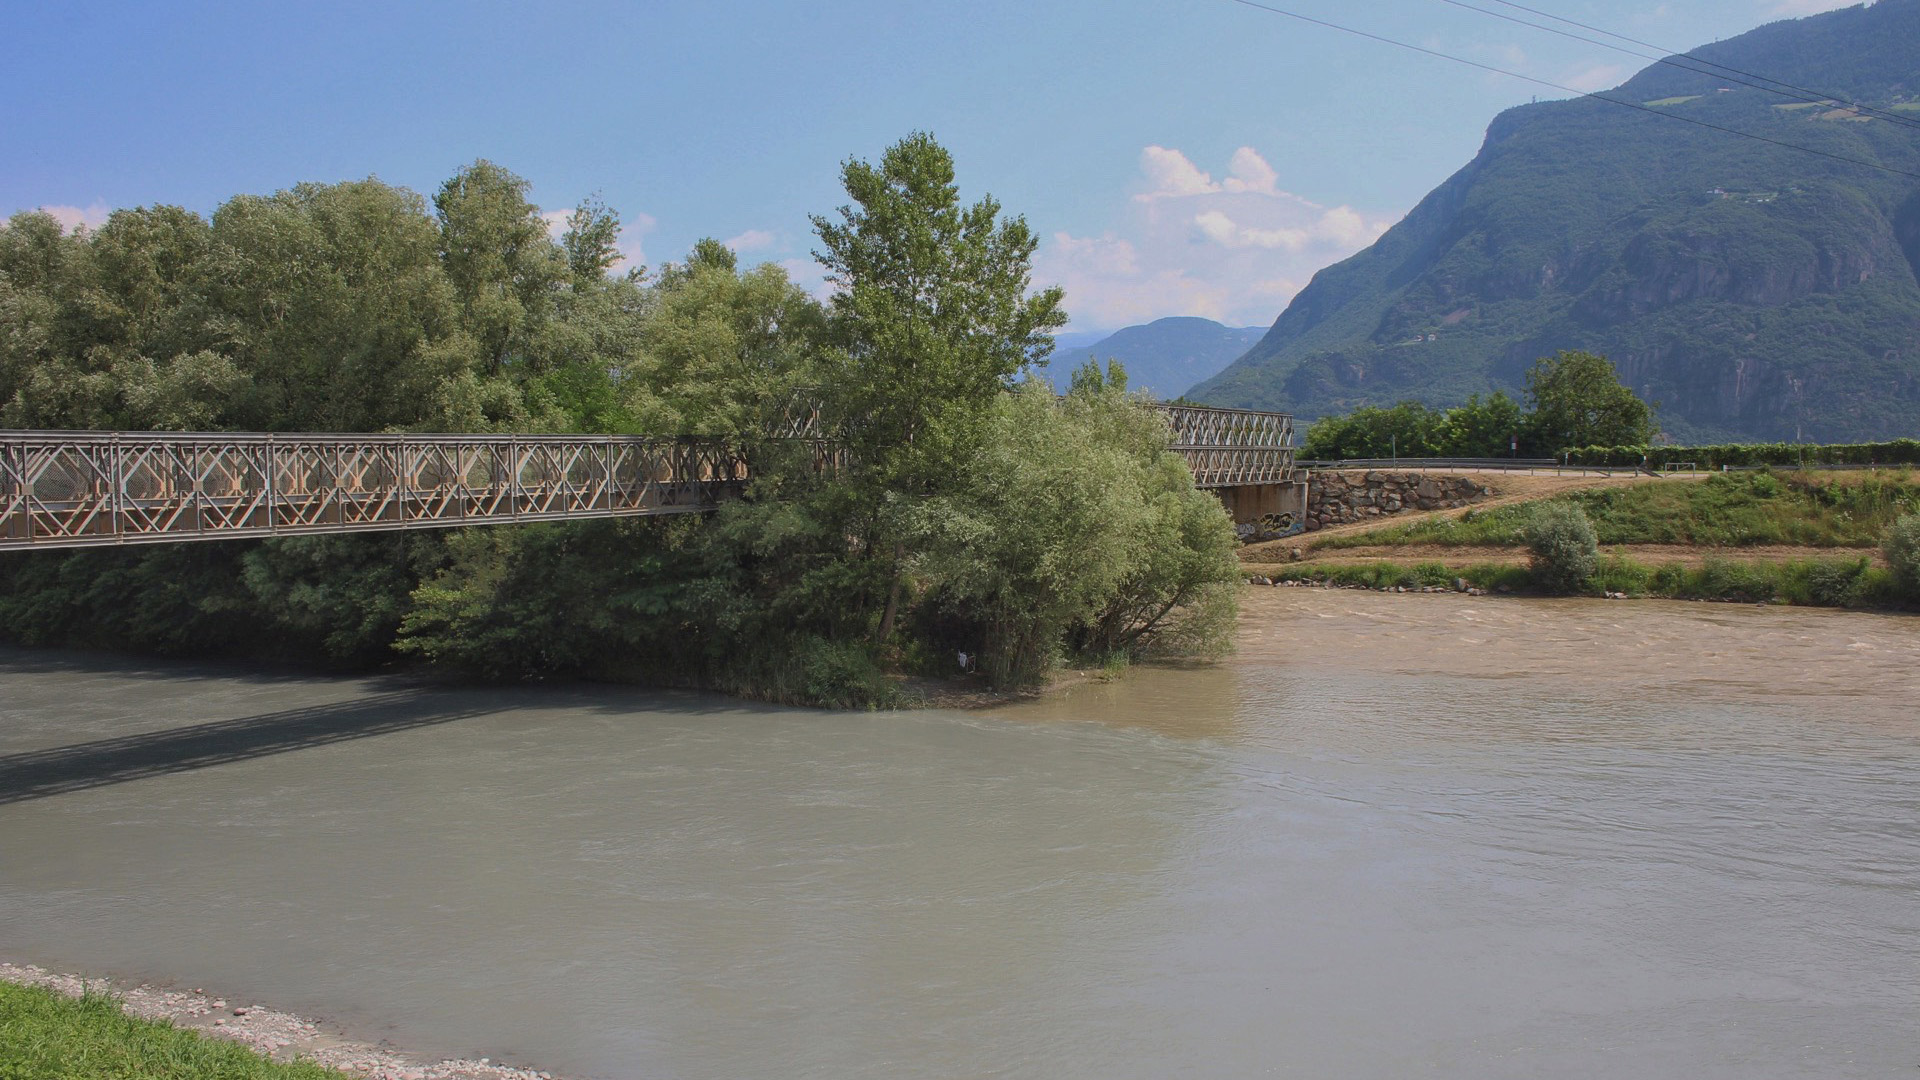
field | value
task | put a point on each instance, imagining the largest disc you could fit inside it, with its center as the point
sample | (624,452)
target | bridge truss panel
(83,488)
(61,489)
(1232,447)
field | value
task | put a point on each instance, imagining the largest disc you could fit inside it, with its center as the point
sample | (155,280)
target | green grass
(47,1036)
(1385,575)
(1681,100)
(1907,106)
(1797,105)
(1843,583)
(1725,510)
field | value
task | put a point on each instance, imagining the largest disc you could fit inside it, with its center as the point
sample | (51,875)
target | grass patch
(1725,510)
(1843,583)
(1798,105)
(1681,100)
(48,1036)
(1384,575)
(1907,106)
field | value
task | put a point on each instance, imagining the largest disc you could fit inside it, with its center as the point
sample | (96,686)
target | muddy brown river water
(1395,836)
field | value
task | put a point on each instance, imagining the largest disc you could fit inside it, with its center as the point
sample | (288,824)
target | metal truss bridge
(66,489)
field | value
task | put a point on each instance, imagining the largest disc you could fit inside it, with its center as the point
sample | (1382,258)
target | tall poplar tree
(932,320)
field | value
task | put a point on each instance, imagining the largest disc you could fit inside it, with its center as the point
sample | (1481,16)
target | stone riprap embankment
(1338,498)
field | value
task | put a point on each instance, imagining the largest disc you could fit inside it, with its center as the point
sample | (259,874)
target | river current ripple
(1394,836)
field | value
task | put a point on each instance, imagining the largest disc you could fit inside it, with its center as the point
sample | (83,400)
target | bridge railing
(1232,447)
(82,488)
(78,488)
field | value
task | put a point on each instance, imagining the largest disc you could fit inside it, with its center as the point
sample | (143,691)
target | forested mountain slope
(1754,291)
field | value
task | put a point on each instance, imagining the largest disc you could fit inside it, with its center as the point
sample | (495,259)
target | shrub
(1902,548)
(1836,584)
(1720,579)
(1565,551)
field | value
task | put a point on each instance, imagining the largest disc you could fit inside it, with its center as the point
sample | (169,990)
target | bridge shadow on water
(105,762)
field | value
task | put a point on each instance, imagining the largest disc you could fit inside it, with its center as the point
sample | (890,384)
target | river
(1408,835)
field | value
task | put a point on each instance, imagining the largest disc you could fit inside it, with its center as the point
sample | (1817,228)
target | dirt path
(1510,488)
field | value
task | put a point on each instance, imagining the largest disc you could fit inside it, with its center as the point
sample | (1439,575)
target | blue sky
(1178,157)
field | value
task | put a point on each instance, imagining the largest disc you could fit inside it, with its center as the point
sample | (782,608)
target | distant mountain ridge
(1754,291)
(1166,356)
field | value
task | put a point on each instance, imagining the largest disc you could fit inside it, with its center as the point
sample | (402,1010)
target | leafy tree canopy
(1578,400)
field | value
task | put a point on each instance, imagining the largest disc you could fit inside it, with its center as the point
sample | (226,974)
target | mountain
(1754,291)
(1166,356)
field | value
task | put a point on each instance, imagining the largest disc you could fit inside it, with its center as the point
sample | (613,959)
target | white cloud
(810,276)
(72,218)
(1339,227)
(1170,175)
(1249,172)
(751,240)
(1236,250)
(1592,77)
(633,227)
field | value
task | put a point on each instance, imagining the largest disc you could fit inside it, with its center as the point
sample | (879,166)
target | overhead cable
(1815,95)
(1675,60)
(1570,90)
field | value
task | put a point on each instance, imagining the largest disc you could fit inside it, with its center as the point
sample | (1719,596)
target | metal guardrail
(61,489)
(1545,464)
(1434,463)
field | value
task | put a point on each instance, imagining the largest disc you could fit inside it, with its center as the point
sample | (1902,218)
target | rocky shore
(1459,586)
(280,1035)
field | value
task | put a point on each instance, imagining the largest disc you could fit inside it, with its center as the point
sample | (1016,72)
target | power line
(1570,90)
(1702,60)
(1672,59)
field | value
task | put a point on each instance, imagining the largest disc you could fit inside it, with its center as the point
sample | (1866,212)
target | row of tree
(979,513)
(1575,399)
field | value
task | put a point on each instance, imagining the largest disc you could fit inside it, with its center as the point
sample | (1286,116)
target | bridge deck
(63,489)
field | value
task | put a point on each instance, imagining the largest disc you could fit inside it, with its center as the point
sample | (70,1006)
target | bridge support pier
(1266,510)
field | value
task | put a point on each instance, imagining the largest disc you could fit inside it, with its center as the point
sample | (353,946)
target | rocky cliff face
(1753,291)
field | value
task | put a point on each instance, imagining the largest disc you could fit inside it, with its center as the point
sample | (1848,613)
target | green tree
(1408,429)
(1073,526)
(592,243)
(933,317)
(1480,428)
(333,301)
(1578,400)
(722,352)
(504,268)
(932,320)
